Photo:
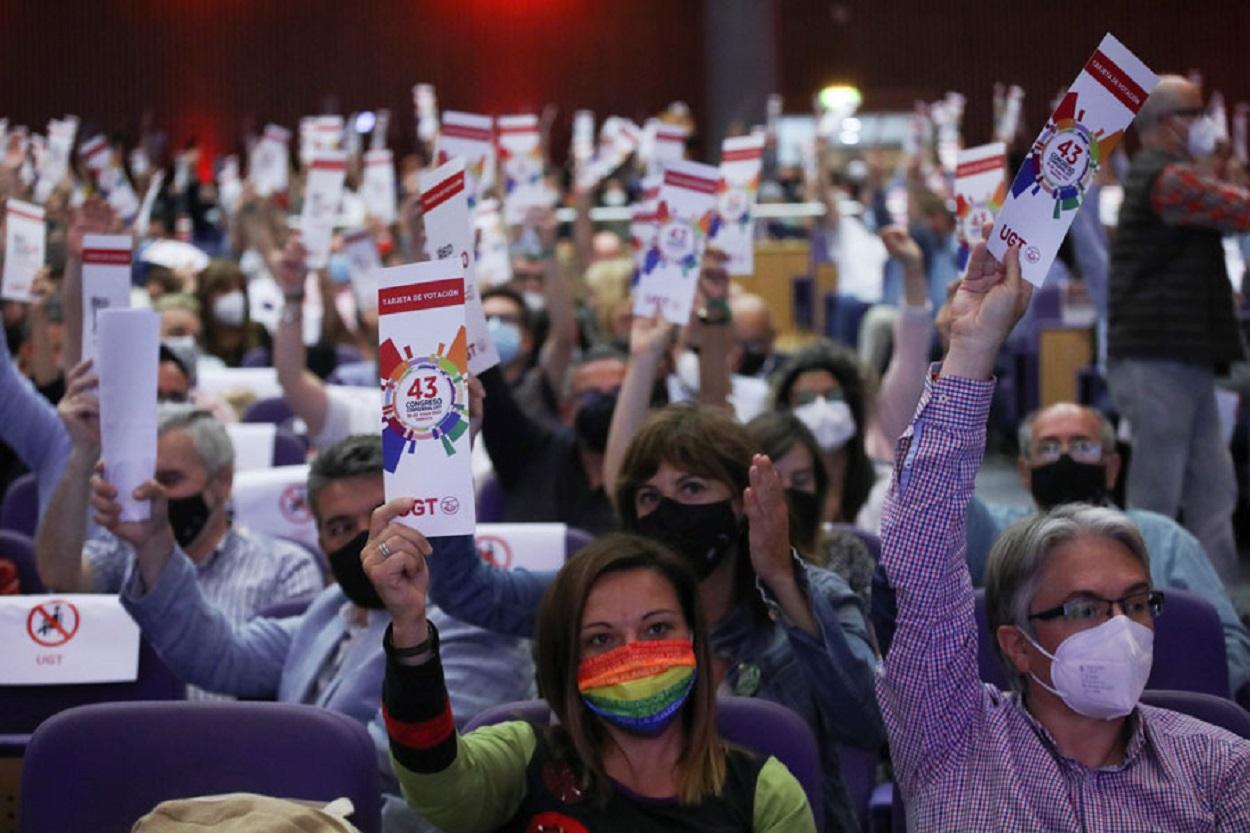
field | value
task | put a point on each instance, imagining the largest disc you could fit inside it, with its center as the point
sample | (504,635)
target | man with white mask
(1171,320)
(1070,602)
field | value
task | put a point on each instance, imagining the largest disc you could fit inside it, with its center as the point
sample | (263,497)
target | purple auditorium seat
(1218,711)
(20,549)
(574,540)
(1189,653)
(256,357)
(760,725)
(102,767)
(288,449)
(491,501)
(273,409)
(19,510)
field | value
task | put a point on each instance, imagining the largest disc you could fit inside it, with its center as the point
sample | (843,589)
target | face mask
(188,516)
(177,343)
(640,686)
(340,269)
(832,423)
(805,510)
(594,418)
(230,308)
(1067,481)
(752,361)
(1202,137)
(615,197)
(1101,672)
(688,370)
(506,337)
(350,574)
(535,301)
(702,533)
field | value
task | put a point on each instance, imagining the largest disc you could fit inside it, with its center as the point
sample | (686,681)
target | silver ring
(384,550)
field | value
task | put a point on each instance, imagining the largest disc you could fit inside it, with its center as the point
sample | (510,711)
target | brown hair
(580,738)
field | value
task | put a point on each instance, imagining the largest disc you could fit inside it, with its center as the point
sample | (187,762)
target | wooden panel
(1062,352)
(776,265)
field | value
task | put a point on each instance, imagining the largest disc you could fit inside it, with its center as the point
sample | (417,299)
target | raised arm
(930,691)
(303,391)
(1183,196)
(711,321)
(557,352)
(30,426)
(648,339)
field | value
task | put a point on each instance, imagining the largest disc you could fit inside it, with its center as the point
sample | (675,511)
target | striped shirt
(970,757)
(247,572)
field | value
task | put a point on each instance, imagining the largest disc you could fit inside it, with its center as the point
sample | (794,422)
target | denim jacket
(828,680)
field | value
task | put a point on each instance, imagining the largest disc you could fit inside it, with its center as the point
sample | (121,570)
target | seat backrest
(20,549)
(270,409)
(1189,652)
(491,501)
(24,707)
(574,540)
(19,510)
(1218,711)
(762,726)
(288,449)
(103,766)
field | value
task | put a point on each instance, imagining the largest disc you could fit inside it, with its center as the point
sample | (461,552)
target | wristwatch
(715,313)
(292,311)
(430,645)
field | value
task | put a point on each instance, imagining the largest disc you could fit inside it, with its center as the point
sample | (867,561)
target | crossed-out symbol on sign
(52,623)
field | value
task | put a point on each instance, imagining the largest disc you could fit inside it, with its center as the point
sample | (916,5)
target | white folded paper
(538,546)
(521,167)
(55,166)
(364,262)
(130,341)
(469,136)
(253,444)
(685,215)
(740,163)
(494,266)
(669,146)
(423,366)
(427,111)
(270,161)
(258,382)
(449,234)
(144,216)
(24,240)
(377,188)
(980,185)
(323,192)
(105,283)
(274,501)
(1009,119)
(1078,139)
(60,640)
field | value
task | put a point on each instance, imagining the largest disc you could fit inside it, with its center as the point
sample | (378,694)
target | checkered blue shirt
(969,757)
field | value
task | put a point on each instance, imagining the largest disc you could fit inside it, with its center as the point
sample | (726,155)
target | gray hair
(208,435)
(1159,103)
(1024,432)
(1019,556)
(349,457)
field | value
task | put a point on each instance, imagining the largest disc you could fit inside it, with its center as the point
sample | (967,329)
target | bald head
(1154,121)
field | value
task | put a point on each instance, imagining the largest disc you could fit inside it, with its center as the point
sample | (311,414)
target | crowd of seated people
(781,516)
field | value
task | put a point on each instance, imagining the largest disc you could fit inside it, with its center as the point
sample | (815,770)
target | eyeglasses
(1143,606)
(807,397)
(1188,112)
(1080,449)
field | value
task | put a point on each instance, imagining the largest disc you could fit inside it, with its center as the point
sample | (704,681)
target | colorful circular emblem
(1064,159)
(427,401)
(449,505)
(676,241)
(734,203)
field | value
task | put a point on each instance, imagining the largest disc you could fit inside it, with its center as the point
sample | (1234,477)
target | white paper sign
(449,234)
(378,186)
(980,185)
(741,160)
(270,162)
(24,238)
(423,365)
(1079,137)
(494,266)
(669,146)
(253,444)
(322,194)
(144,217)
(521,167)
(427,111)
(129,349)
(685,212)
(274,500)
(641,236)
(74,638)
(259,382)
(531,546)
(105,282)
(121,195)
(95,153)
(229,185)
(1240,132)
(364,262)
(1009,119)
(469,136)
(55,165)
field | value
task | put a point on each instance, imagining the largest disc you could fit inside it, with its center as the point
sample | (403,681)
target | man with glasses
(1171,320)
(1067,455)
(1070,601)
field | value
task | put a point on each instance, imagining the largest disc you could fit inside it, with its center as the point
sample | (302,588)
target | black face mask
(1067,481)
(188,516)
(805,513)
(752,362)
(702,533)
(594,418)
(350,574)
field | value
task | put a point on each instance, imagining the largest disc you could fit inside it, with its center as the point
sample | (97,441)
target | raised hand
(94,216)
(989,301)
(288,267)
(107,511)
(768,518)
(650,337)
(79,409)
(394,559)
(902,247)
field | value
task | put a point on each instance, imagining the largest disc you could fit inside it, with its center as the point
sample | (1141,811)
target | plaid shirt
(970,757)
(1183,197)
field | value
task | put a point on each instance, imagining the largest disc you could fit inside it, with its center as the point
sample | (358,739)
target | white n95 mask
(832,423)
(1101,672)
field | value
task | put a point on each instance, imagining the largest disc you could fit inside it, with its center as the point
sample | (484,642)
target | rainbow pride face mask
(640,686)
